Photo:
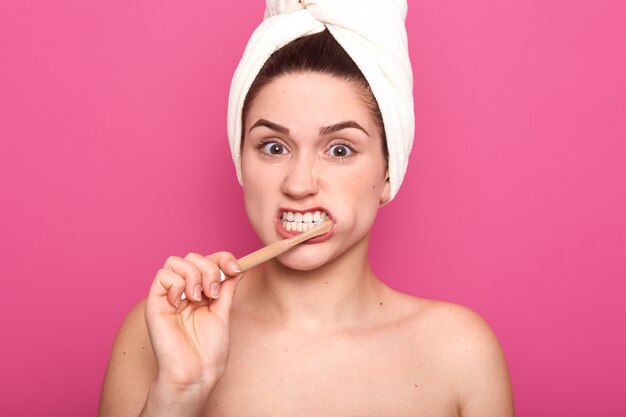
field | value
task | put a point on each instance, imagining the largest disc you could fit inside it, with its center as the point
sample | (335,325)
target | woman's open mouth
(292,222)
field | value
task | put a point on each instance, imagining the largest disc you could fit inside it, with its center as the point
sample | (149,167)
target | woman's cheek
(254,206)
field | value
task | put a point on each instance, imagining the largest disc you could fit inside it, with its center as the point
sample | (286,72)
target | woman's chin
(302,261)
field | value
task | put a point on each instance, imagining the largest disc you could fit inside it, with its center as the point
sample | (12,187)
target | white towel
(373,34)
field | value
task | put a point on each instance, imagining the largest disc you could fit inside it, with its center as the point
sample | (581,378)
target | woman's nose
(301,179)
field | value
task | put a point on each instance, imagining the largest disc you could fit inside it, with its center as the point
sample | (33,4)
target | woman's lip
(290,233)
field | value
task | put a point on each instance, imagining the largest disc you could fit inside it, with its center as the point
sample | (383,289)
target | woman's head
(371,32)
(313,141)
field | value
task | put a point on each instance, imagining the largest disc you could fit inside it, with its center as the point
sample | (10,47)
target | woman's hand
(190,337)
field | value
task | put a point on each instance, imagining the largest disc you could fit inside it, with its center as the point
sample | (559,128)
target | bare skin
(312,332)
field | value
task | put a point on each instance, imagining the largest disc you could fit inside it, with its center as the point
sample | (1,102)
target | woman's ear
(386,193)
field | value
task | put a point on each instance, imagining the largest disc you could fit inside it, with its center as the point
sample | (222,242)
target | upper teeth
(302,222)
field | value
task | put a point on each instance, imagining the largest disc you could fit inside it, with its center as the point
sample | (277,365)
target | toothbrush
(274,249)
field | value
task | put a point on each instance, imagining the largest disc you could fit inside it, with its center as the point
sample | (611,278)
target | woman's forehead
(313,99)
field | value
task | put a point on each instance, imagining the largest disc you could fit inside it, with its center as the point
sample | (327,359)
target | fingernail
(197,293)
(177,303)
(215,290)
(233,266)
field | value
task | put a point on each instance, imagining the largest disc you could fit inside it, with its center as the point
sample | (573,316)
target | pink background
(114,156)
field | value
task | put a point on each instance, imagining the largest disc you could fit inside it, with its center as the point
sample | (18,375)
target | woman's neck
(339,294)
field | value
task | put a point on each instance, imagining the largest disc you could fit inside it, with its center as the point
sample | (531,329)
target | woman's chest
(333,376)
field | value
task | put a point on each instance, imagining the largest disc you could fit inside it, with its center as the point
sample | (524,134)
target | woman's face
(312,145)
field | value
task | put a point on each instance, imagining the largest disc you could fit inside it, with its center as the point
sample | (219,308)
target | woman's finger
(210,273)
(227,263)
(190,273)
(167,284)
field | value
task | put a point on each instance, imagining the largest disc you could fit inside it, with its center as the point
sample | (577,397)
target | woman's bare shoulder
(131,368)
(132,340)
(460,320)
(469,352)
(445,318)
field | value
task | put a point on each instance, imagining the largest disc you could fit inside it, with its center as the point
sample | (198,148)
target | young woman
(312,332)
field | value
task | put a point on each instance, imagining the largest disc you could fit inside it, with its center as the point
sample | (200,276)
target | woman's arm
(481,370)
(132,368)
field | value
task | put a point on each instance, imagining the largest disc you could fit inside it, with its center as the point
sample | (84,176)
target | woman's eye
(339,151)
(274,148)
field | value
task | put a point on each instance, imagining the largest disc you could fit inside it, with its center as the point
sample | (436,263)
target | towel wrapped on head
(373,34)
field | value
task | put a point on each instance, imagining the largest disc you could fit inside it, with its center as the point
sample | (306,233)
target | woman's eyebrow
(327,130)
(270,125)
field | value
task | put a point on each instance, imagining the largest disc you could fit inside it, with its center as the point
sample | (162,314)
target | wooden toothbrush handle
(274,249)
